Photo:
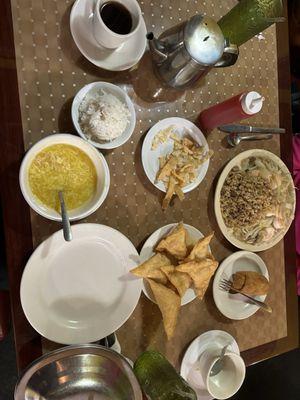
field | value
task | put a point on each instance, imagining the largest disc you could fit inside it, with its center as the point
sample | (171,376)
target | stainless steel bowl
(84,372)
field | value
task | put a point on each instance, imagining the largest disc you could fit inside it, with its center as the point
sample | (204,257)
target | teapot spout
(157,48)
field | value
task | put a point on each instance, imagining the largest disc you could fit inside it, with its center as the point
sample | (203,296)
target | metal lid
(204,40)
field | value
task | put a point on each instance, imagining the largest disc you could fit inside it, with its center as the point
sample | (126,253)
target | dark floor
(276,379)
(8,369)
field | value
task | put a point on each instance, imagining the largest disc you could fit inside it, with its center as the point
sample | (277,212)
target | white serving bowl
(236,161)
(121,95)
(98,160)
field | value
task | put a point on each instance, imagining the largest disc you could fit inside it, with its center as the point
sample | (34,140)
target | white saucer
(235,306)
(147,252)
(208,340)
(150,158)
(120,59)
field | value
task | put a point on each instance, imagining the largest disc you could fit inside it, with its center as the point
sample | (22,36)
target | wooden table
(22,233)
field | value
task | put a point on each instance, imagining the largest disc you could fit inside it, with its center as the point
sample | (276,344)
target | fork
(227,285)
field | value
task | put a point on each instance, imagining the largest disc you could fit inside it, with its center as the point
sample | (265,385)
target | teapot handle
(230,55)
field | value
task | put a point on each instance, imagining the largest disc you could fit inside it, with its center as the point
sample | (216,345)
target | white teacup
(229,380)
(105,36)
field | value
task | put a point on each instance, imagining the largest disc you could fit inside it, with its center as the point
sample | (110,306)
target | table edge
(291,341)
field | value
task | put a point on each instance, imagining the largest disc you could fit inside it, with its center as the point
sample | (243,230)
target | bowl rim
(74,109)
(52,139)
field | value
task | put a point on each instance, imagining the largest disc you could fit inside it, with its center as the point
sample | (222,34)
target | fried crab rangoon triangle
(151,268)
(201,249)
(169,305)
(180,280)
(174,243)
(200,272)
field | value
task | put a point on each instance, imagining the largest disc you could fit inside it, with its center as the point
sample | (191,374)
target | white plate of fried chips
(175,157)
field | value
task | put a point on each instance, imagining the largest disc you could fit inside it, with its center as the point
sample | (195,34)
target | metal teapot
(185,53)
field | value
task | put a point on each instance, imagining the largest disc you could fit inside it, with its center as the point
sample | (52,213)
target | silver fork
(226,285)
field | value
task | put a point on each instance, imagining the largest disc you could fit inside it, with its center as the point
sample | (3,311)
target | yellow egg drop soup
(62,167)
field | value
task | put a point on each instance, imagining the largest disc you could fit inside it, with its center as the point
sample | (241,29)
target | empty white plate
(189,367)
(234,305)
(150,158)
(80,291)
(148,251)
(122,58)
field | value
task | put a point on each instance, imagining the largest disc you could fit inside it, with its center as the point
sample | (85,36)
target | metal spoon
(235,139)
(65,218)
(218,366)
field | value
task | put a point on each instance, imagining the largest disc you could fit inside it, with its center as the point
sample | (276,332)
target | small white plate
(236,306)
(80,291)
(208,340)
(121,95)
(150,158)
(122,58)
(148,251)
(225,231)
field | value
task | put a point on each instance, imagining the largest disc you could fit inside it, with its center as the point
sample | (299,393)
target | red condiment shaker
(239,107)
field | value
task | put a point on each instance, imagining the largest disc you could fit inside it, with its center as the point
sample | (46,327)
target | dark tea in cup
(116,17)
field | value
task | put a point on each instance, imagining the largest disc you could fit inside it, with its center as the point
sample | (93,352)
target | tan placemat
(51,70)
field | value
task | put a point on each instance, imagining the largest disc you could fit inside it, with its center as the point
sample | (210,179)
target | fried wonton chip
(180,167)
(181,280)
(170,192)
(167,169)
(178,191)
(163,136)
(187,142)
(169,305)
(200,250)
(151,267)
(200,272)
(174,243)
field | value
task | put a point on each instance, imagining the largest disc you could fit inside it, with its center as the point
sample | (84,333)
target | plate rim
(235,256)
(138,282)
(217,208)
(146,149)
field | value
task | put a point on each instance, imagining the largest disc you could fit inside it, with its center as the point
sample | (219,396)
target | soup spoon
(65,218)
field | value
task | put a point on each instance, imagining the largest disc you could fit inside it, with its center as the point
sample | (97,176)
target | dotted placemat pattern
(50,72)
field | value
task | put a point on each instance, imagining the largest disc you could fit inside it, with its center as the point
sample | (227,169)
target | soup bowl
(100,164)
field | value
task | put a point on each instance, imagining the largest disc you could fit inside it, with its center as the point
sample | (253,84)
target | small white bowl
(121,95)
(98,160)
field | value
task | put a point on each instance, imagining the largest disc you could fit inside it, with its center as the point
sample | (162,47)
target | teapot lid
(204,40)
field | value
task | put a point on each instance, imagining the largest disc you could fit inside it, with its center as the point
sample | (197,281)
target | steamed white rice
(102,116)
